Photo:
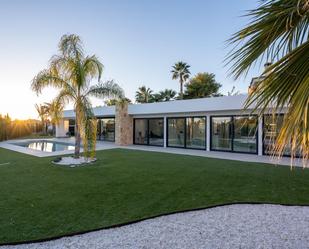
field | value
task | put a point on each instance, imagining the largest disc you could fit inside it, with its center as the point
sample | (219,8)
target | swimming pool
(46,146)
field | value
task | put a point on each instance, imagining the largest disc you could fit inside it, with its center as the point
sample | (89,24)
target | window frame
(233,133)
(185,132)
(147,131)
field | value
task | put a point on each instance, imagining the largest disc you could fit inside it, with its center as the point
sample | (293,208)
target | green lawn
(39,200)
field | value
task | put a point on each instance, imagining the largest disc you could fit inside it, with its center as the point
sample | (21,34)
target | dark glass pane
(245,133)
(176,132)
(156,131)
(140,132)
(196,133)
(221,137)
(72,127)
(108,129)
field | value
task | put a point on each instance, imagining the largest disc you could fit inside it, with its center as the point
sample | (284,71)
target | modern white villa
(210,124)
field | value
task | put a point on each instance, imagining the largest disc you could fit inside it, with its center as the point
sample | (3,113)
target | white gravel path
(234,226)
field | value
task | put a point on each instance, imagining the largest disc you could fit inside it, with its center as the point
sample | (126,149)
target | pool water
(46,146)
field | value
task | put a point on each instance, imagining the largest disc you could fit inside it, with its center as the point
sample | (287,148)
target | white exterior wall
(214,106)
(62,128)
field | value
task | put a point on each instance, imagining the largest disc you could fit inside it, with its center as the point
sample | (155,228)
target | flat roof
(210,104)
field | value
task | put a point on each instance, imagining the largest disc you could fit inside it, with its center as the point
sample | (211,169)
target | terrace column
(260,136)
(123,125)
(208,124)
(165,132)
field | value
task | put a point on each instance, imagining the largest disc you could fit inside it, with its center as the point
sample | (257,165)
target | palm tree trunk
(77,138)
(181,89)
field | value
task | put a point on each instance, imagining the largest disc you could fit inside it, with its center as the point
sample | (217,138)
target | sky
(137,41)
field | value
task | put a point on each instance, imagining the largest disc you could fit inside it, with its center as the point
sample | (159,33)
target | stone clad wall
(123,125)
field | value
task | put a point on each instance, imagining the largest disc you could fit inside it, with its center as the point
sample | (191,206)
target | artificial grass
(39,200)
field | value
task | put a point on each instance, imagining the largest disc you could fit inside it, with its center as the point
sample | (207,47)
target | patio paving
(101,145)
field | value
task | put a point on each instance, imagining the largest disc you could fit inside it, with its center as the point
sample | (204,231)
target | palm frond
(46,78)
(71,46)
(108,89)
(93,68)
(278,32)
(277,27)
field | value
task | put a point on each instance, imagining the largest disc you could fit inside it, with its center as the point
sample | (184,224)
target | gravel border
(231,226)
(72,162)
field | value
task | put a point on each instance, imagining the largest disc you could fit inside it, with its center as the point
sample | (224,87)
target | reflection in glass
(196,133)
(245,134)
(140,131)
(106,129)
(176,132)
(221,133)
(156,131)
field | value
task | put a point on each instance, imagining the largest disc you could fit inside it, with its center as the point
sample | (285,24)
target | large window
(176,132)
(149,131)
(234,133)
(195,132)
(189,132)
(140,131)
(221,136)
(106,129)
(156,131)
(245,130)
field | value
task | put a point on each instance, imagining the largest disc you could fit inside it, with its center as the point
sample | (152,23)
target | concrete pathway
(11,145)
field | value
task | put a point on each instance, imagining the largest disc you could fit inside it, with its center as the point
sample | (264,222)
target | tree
(42,111)
(54,111)
(167,94)
(111,102)
(202,85)
(278,32)
(143,95)
(181,71)
(71,72)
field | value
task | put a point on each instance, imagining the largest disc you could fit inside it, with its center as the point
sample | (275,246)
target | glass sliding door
(196,133)
(156,131)
(141,131)
(221,133)
(245,134)
(176,132)
(106,129)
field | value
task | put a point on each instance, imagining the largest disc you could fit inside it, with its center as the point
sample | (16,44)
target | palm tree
(111,102)
(72,73)
(143,95)
(167,94)
(42,111)
(181,71)
(278,32)
(54,110)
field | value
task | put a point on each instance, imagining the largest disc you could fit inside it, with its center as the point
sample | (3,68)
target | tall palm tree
(143,95)
(72,73)
(278,32)
(167,94)
(181,71)
(42,111)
